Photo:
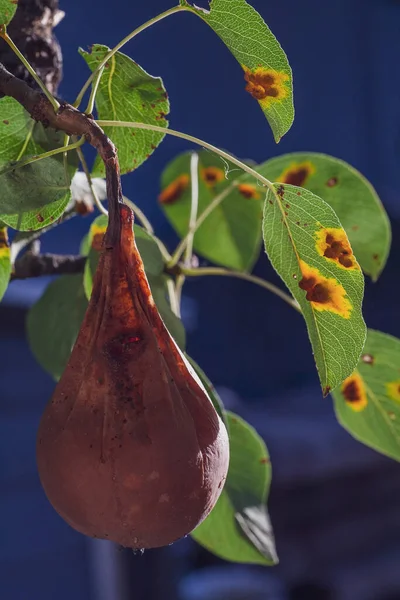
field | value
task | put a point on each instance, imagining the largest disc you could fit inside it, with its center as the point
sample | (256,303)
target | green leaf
(5,261)
(351,196)
(268,75)
(153,264)
(53,323)
(238,528)
(33,196)
(368,402)
(210,389)
(7,11)
(231,234)
(127,93)
(310,251)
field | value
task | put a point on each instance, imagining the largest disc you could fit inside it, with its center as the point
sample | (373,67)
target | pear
(130,447)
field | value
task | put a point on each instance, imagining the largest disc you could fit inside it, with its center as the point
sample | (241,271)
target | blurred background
(334,504)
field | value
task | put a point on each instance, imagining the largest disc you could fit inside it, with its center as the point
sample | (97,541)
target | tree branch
(37,265)
(72,122)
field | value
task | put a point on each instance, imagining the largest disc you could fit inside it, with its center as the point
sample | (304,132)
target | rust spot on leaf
(332,182)
(174,190)
(297,173)
(212,175)
(248,191)
(265,460)
(6,122)
(266,85)
(280,191)
(353,391)
(332,243)
(324,293)
(393,390)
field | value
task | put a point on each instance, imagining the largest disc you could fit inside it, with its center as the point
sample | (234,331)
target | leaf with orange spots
(127,93)
(33,196)
(267,74)
(351,196)
(367,404)
(238,528)
(5,261)
(153,264)
(310,251)
(7,11)
(231,233)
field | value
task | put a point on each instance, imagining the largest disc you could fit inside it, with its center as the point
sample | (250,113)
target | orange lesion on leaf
(266,85)
(212,175)
(354,393)
(333,244)
(297,173)
(324,293)
(393,390)
(249,191)
(174,190)
(4,244)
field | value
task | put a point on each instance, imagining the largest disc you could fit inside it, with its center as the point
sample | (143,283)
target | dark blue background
(345,56)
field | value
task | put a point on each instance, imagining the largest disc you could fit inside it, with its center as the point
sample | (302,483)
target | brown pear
(130,447)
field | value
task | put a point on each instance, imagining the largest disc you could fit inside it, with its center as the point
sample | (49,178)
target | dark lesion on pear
(125,345)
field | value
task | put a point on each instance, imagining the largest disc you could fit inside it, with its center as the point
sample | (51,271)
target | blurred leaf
(153,264)
(210,389)
(5,261)
(268,75)
(7,10)
(127,93)
(36,195)
(351,196)
(238,528)
(311,253)
(368,402)
(53,323)
(231,234)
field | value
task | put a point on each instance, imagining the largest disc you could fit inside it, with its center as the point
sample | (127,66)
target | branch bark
(73,122)
(37,265)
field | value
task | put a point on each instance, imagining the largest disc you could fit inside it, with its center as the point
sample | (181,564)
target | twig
(72,122)
(37,265)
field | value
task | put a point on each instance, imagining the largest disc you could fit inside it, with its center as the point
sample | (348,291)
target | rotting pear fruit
(130,447)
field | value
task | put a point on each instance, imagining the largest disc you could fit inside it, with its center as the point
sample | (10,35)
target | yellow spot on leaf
(324,293)
(248,190)
(212,175)
(266,85)
(393,390)
(174,190)
(332,244)
(353,391)
(4,245)
(297,173)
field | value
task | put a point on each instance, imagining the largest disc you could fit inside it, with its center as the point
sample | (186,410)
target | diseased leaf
(231,233)
(311,253)
(238,528)
(351,196)
(5,261)
(210,389)
(53,323)
(367,403)
(7,11)
(33,196)
(127,93)
(153,264)
(268,76)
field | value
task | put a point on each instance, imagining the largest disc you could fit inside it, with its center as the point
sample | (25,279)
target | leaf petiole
(28,67)
(96,75)
(204,271)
